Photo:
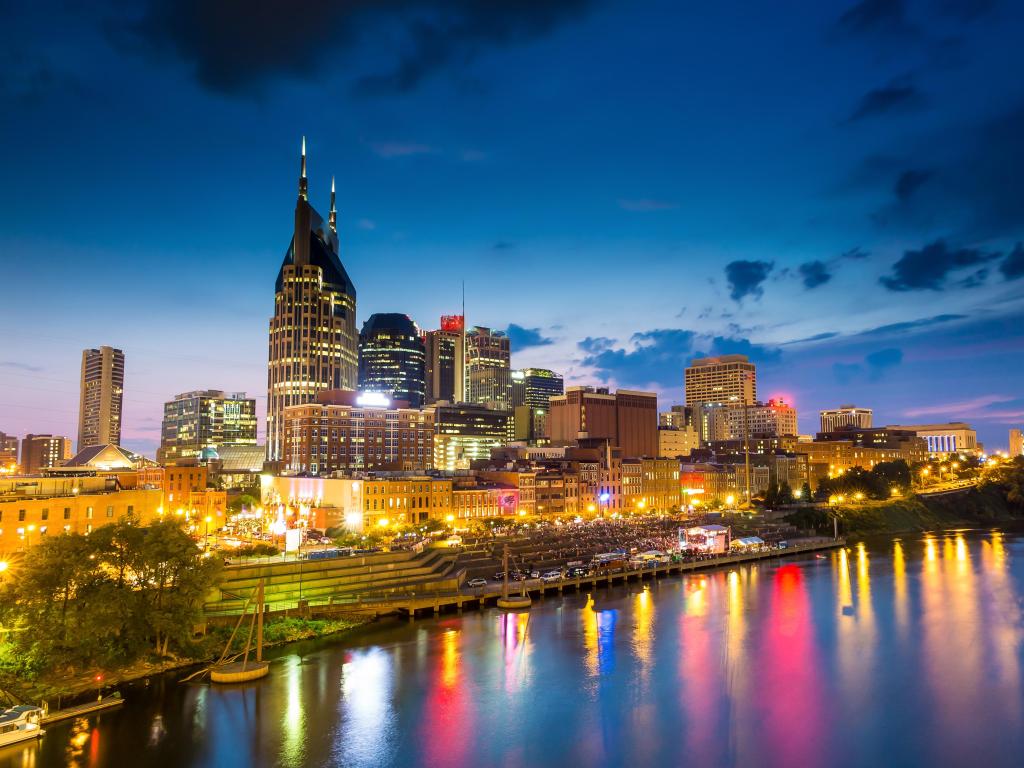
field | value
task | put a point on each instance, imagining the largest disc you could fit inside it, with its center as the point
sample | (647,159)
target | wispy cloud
(973,408)
(390,149)
(11,365)
(369,224)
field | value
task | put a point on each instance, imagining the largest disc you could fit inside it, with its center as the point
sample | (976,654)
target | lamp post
(207,542)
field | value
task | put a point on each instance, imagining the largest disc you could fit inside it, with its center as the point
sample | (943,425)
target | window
(21,515)
(67,513)
(110,511)
(88,516)
(45,515)
(131,509)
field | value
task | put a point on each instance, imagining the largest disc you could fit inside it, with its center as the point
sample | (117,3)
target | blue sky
(836,188)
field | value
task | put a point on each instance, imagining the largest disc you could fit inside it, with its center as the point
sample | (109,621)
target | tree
(242,501)
(785,493)
(805,493)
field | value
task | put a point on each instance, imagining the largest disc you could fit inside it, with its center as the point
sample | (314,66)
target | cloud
(908,183)
(965,10)
(814,273)
(389,149)
(745,277)
(503,245)
(368,224)
(659,356)
(875,16)
(237,47)
(928,268)
(961,409)
(645,205)
(10,364)
(854,254)
(898,96)
(872,368)
(910,325)
(1013,265)
(815,337)
(521,338)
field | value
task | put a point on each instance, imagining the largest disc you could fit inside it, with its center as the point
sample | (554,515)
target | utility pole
(746,449)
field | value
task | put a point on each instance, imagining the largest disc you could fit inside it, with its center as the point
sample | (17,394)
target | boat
(20,723)
(234,671)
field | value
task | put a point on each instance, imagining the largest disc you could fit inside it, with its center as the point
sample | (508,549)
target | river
(892,652)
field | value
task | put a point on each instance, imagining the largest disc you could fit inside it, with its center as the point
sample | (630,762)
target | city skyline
(870,277)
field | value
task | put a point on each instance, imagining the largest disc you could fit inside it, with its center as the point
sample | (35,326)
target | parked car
(478,582)
(552,576)
(534,574)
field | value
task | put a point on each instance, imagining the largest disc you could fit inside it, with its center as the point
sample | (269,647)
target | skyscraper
(392,358)
(100,395)
(313,340)
(446,361)
(729,379)
(194,421)
(1016,443)
(532,388)
(628,419)
(489,369)
(42,452)
(8,452)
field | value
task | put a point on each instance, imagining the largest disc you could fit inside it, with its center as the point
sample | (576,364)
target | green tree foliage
(805,493)
(875,484)
(243,500)
(107,598)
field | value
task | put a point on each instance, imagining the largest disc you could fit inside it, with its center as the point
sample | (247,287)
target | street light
(208,521)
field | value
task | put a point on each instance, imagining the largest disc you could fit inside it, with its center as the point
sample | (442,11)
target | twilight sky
(835,188)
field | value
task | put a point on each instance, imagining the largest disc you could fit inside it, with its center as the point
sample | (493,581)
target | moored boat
(20,723)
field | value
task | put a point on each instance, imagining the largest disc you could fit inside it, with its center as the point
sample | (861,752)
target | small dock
(89,708)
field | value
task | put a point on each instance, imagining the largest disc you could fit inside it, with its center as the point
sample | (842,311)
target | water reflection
(889,653)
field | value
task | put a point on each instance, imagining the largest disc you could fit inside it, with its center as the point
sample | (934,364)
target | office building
(725,379)
(8,452)
(39,452)
(628,419)
(464,433)
(944,439)
(313,345)
(1016,443)
(392,358)
(775,417)
(100,396)
(532,389)
(674,442)
(445,369)
(679,417)
(488,369)
(347,431)
(204,420)
(845,416)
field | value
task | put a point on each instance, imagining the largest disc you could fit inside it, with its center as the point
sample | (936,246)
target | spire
(332,219)
(303,193)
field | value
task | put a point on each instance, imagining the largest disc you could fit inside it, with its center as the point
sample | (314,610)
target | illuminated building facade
(944,439)
(488,369)
(674,442)
(1016,443)
(445,369)
(39,452)
(532,390)
(313,345)
(344,430)
(392,358)
(464,433)
(100,397)
(197,421)
(725,379)
(772,418)
(8,452)
(845,416)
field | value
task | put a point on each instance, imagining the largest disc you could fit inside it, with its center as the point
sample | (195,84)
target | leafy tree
(805,493)
(785,494)
(243,500)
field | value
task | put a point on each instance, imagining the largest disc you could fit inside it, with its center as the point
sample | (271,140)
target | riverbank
(984,505)
(68,686)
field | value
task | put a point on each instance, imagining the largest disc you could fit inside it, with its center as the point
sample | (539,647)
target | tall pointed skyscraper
(313,339)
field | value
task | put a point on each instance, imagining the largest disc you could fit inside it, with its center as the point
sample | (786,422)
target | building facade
(445,364)
(8,453)
(39,452)
(313,344)
(532,390)
(772,418)
(346,431)
(488,369)
(674,442)
(464,433)
(206,419)
(392,358)
(628,419)
(944,439)
(100,397)
(845,416)
(1016,443)
(725,379)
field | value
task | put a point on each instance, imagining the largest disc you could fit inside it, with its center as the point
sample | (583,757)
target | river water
(905,652)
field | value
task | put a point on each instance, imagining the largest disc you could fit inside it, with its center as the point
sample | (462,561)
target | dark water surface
(890,653)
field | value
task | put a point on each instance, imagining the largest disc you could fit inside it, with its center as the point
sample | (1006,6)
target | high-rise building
(39,452)
(348,431)
(207,419)
(725,379)
(392,358)
(1016,443)
(628,419)
(313,341)
(464,433)
(8,452)
(532,389)
(488,369)
(446,361)
(845,416)
(679,417)
(100,395)
(772,418)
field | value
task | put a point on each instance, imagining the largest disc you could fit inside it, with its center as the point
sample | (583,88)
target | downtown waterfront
(889,652)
